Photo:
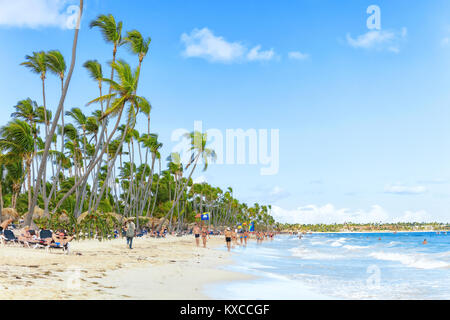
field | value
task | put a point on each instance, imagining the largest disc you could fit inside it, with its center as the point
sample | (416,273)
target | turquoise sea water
(342,266)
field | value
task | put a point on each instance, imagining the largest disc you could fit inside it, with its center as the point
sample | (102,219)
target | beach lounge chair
(57,245)
(43,241)
(9,237)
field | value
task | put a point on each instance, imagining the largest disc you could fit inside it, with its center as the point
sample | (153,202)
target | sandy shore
(171,268)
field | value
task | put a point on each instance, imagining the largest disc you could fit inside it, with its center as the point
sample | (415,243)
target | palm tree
(94,69)
(57,65)
(17,138)
(139,46)
(38,63)
(112,33)
(199,151)
(110,30)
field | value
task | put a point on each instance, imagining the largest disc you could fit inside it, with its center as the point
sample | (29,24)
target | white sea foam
(415,261)
(313,255)
(349,247)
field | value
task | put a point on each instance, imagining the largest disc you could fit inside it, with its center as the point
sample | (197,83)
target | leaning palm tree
(49,138)
(123,94)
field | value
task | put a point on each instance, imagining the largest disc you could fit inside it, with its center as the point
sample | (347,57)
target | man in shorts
(196,233)
(228,235)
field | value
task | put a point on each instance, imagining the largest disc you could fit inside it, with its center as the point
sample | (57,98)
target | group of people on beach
(231,236)
(32,238)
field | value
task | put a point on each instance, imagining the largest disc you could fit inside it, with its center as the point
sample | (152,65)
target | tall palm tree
(112,33)
(139,46)
(38,63)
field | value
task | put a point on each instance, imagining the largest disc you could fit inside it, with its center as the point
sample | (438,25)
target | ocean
(341,266)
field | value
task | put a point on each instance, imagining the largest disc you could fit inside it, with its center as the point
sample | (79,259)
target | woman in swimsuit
(234,237)
(245,237)
(204,235)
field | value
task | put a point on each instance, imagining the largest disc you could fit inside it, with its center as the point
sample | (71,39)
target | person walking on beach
(196,232)
(204,235)
(234,237)
(130,233)
(228,234)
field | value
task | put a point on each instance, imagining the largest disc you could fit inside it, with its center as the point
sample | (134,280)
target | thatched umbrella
(117,216)
(111,214)
(82,217)
(64,218)
(38,214)
(9,213)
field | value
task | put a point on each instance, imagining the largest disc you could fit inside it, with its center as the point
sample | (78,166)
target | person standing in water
(425,241)
(245,237)
(228,235)
(241,236)
(196,232)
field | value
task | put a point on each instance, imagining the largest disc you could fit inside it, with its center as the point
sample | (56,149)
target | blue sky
(362,114)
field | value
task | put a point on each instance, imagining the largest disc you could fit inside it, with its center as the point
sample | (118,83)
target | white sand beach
(171,268)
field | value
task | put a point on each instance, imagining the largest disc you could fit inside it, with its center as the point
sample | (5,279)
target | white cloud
(36,13)
(379,40)
(328,214)
(256,54)
(202,43)
(297,55)
(400,189)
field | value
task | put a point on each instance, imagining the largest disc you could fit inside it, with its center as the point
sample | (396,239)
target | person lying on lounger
(59,239)
(4,225)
